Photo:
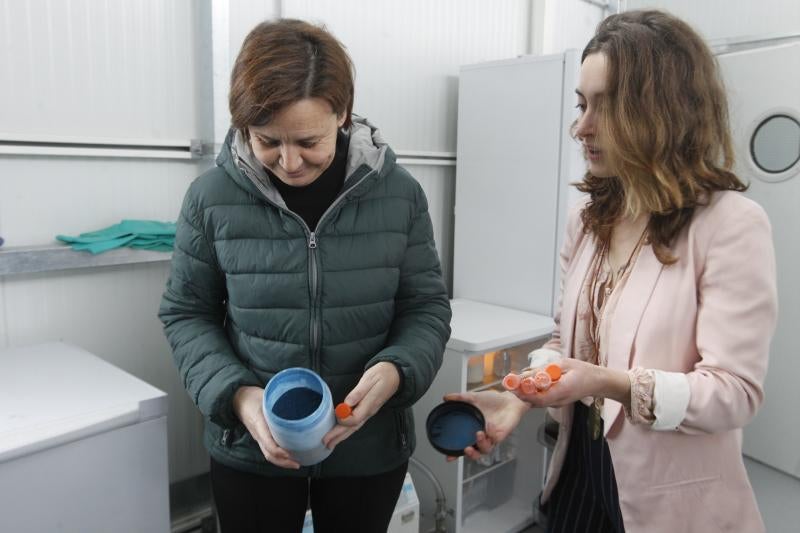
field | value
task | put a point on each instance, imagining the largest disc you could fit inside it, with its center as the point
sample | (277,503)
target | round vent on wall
(775,146)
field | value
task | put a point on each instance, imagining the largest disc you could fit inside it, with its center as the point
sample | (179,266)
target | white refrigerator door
(514,157)
(761,83)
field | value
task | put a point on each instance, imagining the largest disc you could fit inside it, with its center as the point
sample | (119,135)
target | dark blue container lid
(452,425)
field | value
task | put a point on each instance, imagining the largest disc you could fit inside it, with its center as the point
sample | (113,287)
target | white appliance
(763,84)
(83,445)
(497,494)
(516,158)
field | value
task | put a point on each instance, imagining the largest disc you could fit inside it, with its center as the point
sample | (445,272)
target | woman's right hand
(502,413)
(247,406)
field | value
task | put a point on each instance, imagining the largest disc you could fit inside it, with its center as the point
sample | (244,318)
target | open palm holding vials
(532,382)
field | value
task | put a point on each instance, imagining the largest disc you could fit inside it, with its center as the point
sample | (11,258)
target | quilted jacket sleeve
(193,312)
(421,325)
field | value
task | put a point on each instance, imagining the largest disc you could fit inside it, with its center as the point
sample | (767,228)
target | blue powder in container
(455,431)
(297,403)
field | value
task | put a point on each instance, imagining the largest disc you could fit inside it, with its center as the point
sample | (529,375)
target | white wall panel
(45,196)
(569,24)
(438,182)
(118,69)
(244,15)
(231,22)
(113,68)
(110,312)
(407,56)
(731,19)
(753,94)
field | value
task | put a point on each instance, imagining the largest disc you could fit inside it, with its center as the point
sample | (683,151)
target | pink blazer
(710,316)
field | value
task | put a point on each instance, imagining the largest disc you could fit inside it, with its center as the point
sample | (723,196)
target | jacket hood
(367,152)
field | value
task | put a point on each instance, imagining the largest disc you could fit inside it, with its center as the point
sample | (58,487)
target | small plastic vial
(511,382)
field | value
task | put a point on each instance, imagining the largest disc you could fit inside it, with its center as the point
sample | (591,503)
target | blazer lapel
(627,316)
(572,290)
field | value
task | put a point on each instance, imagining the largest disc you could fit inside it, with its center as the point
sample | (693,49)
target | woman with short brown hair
(307,246)
(285,62)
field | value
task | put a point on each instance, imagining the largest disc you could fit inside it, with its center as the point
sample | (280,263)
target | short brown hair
(284,61)
(663,124)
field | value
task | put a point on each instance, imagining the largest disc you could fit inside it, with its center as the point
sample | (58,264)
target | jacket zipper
(313,274)
(315,363)
(313,270)
(403,439)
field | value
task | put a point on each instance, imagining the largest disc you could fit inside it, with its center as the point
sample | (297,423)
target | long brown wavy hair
(663,126)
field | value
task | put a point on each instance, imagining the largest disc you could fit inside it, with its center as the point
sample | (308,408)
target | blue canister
(299,411)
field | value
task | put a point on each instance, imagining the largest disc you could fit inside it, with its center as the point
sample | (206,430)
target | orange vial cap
(343,411)
(528,386)
(511,382)
(554,371)
(542,380)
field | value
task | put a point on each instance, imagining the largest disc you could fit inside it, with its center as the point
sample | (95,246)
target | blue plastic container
(299,411)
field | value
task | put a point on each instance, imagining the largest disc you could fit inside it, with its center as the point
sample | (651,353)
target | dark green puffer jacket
(253,291)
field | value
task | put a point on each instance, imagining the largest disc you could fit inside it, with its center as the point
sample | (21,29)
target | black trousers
(251,503)
(585,499)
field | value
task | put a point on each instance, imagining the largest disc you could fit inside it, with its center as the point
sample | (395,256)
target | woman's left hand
(578,380)
(377,385)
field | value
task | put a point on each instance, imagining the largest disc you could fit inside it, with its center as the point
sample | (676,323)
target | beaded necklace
(599,294)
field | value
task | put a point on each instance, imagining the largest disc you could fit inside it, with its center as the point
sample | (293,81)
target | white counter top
(477,326)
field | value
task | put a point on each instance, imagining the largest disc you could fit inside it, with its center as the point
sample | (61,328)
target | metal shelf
(513,515)
(55,257)
(485,470)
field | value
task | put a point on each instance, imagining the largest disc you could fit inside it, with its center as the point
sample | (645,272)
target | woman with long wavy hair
(668,300)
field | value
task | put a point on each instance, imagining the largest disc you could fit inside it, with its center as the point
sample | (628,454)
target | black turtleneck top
(311,201)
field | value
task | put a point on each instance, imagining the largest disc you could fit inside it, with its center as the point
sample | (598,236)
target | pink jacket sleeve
(736,316)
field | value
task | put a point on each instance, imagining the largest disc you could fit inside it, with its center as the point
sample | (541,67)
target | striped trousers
(585,499)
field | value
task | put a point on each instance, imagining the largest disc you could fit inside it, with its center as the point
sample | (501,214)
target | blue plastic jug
(299,411)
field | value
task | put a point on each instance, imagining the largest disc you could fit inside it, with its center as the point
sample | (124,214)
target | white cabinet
(83,445)
(487,342)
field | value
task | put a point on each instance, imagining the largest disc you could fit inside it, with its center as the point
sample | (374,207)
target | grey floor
(778,496)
